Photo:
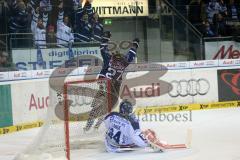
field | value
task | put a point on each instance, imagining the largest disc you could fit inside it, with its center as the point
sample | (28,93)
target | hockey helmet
(126,108)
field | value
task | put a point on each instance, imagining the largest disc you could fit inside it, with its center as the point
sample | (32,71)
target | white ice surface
(215,136)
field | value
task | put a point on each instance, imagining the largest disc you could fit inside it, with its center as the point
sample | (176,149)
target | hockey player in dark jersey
(113,69)
(115,64)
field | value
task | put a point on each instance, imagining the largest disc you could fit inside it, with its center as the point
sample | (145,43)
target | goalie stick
(164,147)
(159,146)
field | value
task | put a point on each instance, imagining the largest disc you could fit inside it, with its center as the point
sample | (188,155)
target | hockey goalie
(124,133)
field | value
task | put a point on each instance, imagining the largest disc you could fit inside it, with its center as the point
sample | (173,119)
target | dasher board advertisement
(27,59)
(229,85)
(222,50)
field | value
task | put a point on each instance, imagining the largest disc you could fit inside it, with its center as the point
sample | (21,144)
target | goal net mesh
(67,115)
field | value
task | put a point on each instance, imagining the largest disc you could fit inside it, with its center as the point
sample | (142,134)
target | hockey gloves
(135,42)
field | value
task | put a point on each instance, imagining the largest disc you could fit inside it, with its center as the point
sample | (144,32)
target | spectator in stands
(64,31)
(45,5)
(18,22)
(213,7)
(219,25)
(83,30)
(207,29)
(76,3)
(223,7)
(95,33)
(38,27)
(5,65)
(233,11)
(97,27)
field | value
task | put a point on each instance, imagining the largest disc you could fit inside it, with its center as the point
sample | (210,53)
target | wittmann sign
(120,8)
(222,50)
(229,84)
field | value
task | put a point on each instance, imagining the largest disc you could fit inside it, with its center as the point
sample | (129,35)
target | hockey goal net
(68,114)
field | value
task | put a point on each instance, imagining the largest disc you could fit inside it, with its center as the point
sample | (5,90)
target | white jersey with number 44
(122,132)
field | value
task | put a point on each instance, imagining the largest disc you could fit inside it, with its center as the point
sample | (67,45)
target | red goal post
(86,89)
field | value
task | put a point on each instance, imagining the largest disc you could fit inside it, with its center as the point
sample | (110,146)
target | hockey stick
(164,145)
(166,148)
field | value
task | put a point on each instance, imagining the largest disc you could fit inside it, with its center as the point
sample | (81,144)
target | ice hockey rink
(215,135)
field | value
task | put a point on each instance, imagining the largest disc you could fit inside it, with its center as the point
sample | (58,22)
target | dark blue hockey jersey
(97,27)
(18,20)
(114,65)
(83,30)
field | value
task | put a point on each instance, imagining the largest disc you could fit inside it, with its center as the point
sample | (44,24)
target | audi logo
(190,87)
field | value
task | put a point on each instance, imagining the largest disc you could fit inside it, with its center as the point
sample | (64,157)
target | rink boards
(139,111)
(207,85)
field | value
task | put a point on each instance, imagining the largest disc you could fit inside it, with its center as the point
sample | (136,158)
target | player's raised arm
(132,53)
(105,53)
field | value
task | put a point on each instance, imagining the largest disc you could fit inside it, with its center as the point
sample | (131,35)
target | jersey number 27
(114,74)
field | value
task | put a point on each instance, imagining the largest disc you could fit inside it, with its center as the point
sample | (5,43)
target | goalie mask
(126,108)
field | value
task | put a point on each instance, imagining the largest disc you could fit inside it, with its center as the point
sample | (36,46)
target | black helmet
(126,108)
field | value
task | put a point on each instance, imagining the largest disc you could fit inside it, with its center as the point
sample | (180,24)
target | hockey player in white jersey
(124,133)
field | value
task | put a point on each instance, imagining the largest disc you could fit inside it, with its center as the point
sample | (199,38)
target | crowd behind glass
(58,23)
